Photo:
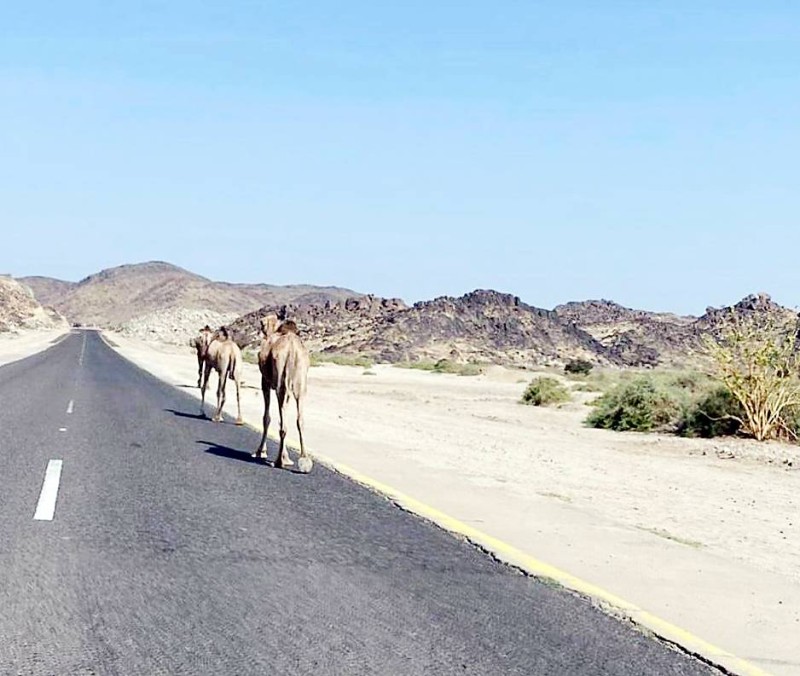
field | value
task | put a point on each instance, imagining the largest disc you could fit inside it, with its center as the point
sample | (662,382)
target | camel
(200,345)
(225,357)
(283,361)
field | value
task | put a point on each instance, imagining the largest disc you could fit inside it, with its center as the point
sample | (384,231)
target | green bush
(638,405)
(363,361)
(421,365)
(708,417)
(544,391)
(585,387)
(578,367)
(692,382)
(443,366)
(447,366)
(250,356)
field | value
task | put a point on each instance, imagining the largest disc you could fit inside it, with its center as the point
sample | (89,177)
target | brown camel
(200,345)
(225,357)
(283,361)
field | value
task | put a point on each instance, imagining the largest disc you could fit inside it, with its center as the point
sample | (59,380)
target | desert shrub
(443,366)
(756,358)
(639,405)
(421,365)
(544,391)
(605,379)
(361,360)
(693,382)
(447,366)
(578,367)
(717,414)
(250,356)
(585,387)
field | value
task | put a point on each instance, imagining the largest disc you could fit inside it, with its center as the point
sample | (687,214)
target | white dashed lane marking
(46,508)
(70,407)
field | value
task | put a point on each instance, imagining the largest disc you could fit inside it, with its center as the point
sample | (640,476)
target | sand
(16,345)
(704,540)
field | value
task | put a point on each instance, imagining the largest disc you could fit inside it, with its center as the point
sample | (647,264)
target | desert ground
(703,533)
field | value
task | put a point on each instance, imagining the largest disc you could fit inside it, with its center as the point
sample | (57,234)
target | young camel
(283,361)
(200,345)
(225,357)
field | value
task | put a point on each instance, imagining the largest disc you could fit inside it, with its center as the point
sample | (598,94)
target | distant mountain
(484,326)
(19,309)
(161,301)
(757,304)
(117,295)
(488,326)
(635,337)
(48,291)
(641,338)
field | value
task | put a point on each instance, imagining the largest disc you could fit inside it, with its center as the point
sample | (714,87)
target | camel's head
(269,325)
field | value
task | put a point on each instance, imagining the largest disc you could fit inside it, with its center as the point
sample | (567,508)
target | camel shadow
(243,456)
(227,452)
(183,414)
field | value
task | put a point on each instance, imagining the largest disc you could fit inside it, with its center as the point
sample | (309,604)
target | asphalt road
(171,552)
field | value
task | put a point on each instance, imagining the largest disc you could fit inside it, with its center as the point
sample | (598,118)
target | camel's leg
(304,462)
(283,457)
(261,451)
(200,362)
(223,379)
(206,375)
(239,420)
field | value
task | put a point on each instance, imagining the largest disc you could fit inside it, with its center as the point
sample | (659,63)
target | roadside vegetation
(750,388)
(319,358)
(578,367)
(444,366)
(681,402)
(545,391)
(756,359)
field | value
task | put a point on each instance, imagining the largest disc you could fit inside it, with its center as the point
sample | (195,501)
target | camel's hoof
(217,418)
(304,465)
(239,421)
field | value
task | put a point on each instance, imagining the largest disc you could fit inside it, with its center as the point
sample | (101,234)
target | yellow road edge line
(509,554)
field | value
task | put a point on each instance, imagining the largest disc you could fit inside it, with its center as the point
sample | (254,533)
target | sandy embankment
(711,545)
(18,345)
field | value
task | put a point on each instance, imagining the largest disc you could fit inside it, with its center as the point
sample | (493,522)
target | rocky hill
(640,338)
(757,304)
(163,302)
(115,296)
(487,326)
(483,326)
(635,337)
(19,308)
(48,291)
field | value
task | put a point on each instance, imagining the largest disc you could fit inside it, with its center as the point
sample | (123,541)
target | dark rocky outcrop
(485,326)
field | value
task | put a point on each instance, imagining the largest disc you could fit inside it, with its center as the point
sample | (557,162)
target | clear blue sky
(639,151)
